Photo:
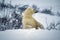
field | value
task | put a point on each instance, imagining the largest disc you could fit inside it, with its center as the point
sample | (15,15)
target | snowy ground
(32,34)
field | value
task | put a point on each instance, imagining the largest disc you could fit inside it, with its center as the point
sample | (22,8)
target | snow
(30,34)
(6,12)
(40,3)
(46,19)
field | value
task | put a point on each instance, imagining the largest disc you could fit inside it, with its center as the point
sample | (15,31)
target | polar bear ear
(33,9)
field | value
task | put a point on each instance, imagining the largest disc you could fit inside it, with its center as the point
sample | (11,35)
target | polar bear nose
(36,11)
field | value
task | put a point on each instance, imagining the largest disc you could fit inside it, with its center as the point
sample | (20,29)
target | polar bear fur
(28,21)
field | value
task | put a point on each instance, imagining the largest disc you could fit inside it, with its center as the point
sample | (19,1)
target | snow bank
(46,19)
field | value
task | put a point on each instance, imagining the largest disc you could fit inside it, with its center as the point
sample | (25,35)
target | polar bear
(28,21)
